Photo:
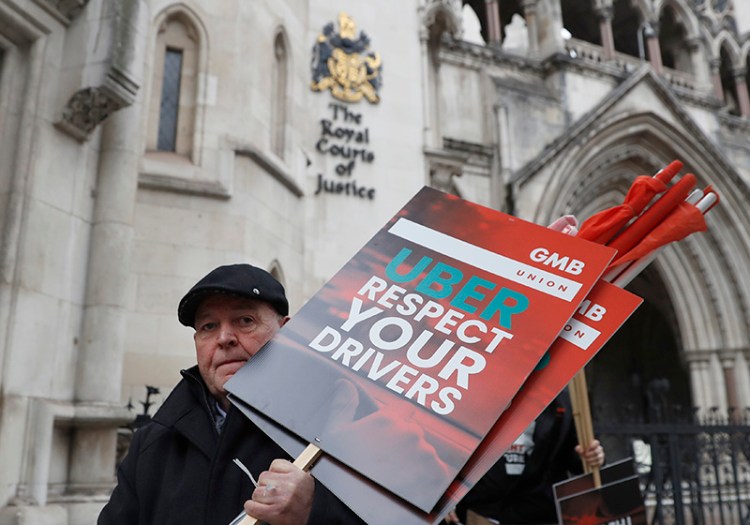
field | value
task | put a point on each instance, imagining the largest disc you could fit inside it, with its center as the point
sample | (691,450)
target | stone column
(698,368)
(532,24)
(494,28)
(716,79)
(651,35)
(549,26)
(99,370)
(699,65)
(431,86)
(716,383)
(108,286)
(740,84)
(730,385)
(604,14)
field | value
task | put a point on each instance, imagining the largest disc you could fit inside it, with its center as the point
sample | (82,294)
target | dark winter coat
(179,468)
(528,498)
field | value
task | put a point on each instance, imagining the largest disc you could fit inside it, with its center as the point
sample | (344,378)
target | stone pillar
(716,383)
(654,49)
(604,14)
(501,179)
(494,28)
(108,286)
(730,385)
(716,79)
(549,27)
(742,380)
(529,14)
(431,86)
(698,381)
(698,63)
(740,84)
(100,361)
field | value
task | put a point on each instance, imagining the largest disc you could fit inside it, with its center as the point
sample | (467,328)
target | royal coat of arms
(345,65)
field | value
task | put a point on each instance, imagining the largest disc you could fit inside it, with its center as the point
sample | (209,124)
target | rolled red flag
(651,218)
(685,219)
(603,226)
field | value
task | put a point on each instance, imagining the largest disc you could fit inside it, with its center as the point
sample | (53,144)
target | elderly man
(180,469)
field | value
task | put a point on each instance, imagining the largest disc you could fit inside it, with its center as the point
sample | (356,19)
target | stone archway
(699,281)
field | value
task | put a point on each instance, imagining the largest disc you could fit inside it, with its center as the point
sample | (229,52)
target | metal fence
(694,467)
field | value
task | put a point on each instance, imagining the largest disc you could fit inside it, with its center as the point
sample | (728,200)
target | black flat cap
(241,280)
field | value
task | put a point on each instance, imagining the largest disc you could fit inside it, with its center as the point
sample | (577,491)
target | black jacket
(179,468)
(528,498)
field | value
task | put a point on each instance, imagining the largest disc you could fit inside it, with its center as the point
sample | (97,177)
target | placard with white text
(400,365)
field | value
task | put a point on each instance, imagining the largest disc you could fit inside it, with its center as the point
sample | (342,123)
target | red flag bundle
(638,228)
(603,226)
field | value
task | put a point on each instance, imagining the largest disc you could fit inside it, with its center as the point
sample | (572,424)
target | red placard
(400,365)
(376,505)
(596,320)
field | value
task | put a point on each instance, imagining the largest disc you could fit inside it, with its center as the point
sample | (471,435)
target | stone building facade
(148,141)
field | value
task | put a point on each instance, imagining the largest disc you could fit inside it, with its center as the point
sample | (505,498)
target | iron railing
(694,467)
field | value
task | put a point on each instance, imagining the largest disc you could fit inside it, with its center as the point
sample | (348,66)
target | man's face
(229,331)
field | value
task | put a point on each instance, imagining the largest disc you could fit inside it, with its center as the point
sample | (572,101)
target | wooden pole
(305,461)
(579,398)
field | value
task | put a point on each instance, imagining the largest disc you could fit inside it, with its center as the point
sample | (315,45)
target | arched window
(279,96)
(675,53)
(506,8)
(480,13)
(174,87)
(626,22)
(580,21)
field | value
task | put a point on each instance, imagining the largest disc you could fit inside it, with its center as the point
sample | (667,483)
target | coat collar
(187,410)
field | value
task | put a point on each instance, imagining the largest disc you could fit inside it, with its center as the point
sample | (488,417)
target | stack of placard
(412,367)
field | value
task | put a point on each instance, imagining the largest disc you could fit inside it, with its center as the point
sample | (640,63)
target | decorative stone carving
(87,108)
(118,86)
(451,15)
(68,8)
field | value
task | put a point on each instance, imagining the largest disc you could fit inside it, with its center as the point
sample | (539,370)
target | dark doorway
(640,375)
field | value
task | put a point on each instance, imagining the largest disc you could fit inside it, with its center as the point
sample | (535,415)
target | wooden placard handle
(579,399)
(304,461)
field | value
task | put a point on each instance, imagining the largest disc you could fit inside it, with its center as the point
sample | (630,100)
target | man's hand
(284,495)
(593,456)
